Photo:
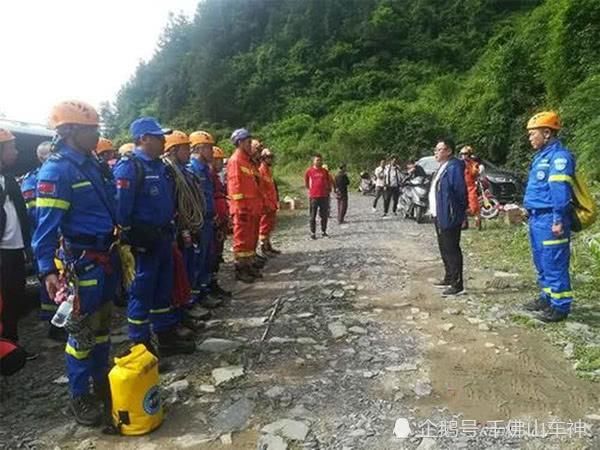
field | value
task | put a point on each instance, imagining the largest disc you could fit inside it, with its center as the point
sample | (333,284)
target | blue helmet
(239,135)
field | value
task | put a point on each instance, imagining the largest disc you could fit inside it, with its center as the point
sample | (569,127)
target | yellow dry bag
(136,404)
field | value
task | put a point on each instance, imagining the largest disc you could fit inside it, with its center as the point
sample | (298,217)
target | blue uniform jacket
(150,203)
(451,195)
(74,200)
(549,183)
(202,172)
(28,186)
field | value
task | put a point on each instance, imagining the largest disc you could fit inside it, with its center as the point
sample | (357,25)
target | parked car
(505,185)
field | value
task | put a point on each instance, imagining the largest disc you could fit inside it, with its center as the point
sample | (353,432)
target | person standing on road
(342,182)
(472,172)
(14,239)
(392,181)
(75,206)
(318,183)
(245,206)
(379,183)
(268,219)
(448,204)
(548,199)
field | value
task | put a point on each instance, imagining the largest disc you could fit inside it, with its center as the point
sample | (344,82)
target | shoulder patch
(560,164)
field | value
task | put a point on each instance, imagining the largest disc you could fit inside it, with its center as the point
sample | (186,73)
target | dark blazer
(13,192)
(451,195)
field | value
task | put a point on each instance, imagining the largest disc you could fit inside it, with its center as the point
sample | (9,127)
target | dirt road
(361,341)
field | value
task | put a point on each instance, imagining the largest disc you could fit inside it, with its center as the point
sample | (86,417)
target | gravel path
(361,341)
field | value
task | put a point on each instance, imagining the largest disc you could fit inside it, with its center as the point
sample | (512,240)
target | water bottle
(63,313)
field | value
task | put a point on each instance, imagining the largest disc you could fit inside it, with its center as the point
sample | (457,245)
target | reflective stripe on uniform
(160,311)
(82,184)
(566,294)
(566,178)
(244,254)
(88,283)
(246,170)
(547,290)
(137,322)
(43,202)
(102,339)
(78,354)
(31,204)
(556,242)
(237,196)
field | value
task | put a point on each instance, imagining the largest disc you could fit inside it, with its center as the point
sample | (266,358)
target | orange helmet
(218,153)
(201,137)
(6,136)
(126,148)
(104,145)
(544,119)
(176,138)
(73,112)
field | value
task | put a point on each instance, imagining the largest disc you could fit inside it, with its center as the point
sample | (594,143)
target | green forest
(360,79)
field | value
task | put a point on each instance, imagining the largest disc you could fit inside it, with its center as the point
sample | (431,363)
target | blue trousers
(88,359)
(203,258)
(551,256)
(151,291)
(47,306)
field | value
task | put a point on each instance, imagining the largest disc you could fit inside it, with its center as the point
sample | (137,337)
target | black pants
(391,193)
(320,205)
(12,285)
(378,193)
(342,205)
(449,243)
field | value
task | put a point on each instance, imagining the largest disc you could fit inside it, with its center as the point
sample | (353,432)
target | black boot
(551,315)
(217,290)
(539,304)
(242,272)
(170,344)
(103,396)
(86,410)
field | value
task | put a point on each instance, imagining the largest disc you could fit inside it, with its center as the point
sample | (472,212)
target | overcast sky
(53,50)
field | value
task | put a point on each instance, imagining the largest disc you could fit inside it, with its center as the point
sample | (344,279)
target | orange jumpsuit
(269,217)
(245,203)
(471,174)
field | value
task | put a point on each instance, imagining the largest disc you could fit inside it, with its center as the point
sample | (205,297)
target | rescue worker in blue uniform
(28,186)
(190,205)
(202,149)
(74,201)
(145,214)
(548,202)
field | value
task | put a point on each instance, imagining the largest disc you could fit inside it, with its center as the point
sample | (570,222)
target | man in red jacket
(318,183)
(245,206)
(269,217)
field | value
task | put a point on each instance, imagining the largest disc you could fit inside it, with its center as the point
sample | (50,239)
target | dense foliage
(358,79)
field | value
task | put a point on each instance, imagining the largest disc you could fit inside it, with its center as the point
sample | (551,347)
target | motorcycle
(488,204)
(414,199)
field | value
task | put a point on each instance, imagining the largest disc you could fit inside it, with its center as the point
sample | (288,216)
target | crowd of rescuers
(143,225)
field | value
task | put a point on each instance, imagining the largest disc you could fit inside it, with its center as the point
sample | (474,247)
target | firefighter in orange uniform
(269,217)
(245,206)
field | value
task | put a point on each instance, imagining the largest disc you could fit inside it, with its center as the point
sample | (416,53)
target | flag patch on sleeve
(122,183)
(46,188)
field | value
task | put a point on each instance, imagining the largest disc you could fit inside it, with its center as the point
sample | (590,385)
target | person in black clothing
(15,240)
(341,182)
(393,180)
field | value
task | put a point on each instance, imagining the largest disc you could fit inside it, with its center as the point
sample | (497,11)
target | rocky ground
(363,354)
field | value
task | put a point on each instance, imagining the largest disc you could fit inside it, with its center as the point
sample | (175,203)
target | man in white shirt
(14,239)
(379,183)
(392,182)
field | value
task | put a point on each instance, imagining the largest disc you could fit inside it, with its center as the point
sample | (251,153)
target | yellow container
(134,386)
